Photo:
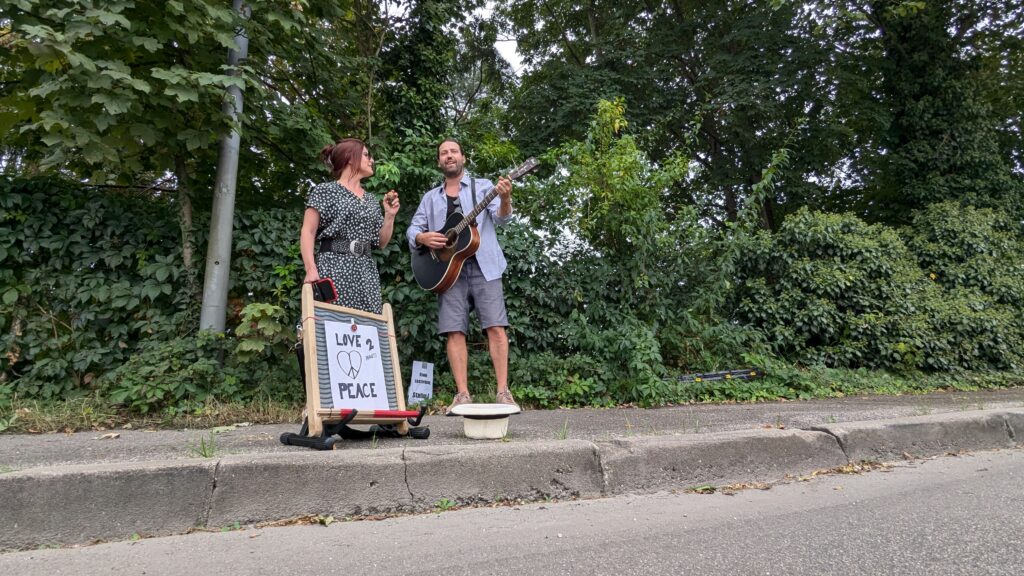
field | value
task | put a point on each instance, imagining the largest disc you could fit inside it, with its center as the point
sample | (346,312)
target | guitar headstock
(525,168)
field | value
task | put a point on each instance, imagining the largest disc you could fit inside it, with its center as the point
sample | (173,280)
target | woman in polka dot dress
(346,222)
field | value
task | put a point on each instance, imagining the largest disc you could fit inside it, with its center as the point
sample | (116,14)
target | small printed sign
(421,387)
(355,367)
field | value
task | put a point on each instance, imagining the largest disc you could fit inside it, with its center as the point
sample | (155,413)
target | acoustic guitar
(436,269)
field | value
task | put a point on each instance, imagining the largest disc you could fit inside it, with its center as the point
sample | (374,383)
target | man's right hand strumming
(433,240)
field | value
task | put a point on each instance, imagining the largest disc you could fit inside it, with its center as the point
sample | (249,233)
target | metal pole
(218,254)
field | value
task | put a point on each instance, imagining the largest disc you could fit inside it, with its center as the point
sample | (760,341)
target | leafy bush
(967,247)
(832,290)
(264,360)
(974,255)
(89,280)
(82,282)
(175,374)
(549,381)
(185,373)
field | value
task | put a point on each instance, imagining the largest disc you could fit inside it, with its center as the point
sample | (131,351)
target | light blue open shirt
(433,208)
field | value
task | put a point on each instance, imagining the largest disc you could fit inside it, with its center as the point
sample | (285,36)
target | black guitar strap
(472,187)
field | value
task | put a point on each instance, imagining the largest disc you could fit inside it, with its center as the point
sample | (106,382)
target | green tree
(725,82)
(616,265)
(128,94)
(120,92)
(942,138)
(886,105)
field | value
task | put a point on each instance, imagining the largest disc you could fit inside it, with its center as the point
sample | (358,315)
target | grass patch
(444,505)
(702,489)
(92,413)
(786,381)
(563,432)
(205,448)
(232,527)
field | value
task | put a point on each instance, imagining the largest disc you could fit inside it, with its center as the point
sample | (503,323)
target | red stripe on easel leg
(394,414)
(391,414)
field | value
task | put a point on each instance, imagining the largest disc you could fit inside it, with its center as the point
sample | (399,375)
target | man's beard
(450,170)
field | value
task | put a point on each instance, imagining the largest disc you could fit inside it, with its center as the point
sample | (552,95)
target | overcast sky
(507,49)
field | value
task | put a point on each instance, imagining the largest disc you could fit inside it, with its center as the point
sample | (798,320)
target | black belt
(346,246)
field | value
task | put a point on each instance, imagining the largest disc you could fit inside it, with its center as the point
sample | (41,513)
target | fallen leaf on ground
(705,489)
(732,489)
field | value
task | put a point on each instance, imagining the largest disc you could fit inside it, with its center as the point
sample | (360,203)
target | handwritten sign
(421,387)
(354,365)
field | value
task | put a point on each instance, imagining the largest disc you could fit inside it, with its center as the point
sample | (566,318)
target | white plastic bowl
(485,421)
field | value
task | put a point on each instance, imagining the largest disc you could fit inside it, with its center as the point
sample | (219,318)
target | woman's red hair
(339,156)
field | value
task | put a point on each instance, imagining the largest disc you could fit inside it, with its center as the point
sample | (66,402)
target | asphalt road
(948,515)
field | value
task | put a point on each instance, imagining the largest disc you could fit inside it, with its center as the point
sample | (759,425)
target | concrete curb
(659,463)
(558,469)
(387,481)
(79,504)
(274,486)
(62,505)
(926,435)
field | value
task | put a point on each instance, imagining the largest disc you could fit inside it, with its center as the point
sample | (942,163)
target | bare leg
(458,358)
(497,342)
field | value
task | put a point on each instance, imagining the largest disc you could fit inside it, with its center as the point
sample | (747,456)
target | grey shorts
(471,291)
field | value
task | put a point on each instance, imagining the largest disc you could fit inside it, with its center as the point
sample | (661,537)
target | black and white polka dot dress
(345,215)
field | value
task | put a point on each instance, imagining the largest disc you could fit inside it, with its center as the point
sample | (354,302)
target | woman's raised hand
(391,203)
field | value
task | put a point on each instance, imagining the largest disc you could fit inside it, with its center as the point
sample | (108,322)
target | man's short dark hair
(439,144)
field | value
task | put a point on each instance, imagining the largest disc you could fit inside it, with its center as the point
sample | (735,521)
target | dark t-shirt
(453,206)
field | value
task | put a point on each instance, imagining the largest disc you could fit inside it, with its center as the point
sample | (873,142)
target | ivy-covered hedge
(829,289)
(93,288)
(86,276)
(970,248)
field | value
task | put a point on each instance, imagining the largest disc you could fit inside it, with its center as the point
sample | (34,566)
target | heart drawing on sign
(350,362)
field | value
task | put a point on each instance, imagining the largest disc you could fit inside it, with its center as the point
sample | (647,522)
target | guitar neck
(523,169)
(471,217)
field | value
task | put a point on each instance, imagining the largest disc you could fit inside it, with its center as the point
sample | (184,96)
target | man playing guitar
(479,283)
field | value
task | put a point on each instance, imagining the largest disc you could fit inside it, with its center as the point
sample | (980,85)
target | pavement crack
(839,441)
(605,483)
(209,499)
(405,467)
(1009,430)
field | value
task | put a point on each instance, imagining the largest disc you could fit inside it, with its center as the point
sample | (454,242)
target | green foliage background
(92,302)
(832,187)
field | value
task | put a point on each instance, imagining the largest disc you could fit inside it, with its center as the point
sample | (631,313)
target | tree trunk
(768,213)
(592,25)
(188,243)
